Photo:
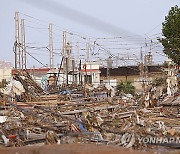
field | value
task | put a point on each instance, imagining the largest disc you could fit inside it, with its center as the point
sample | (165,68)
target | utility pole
(64,50)
(77,45)
(117,59)
(67,72)
(109,65)
(141,55)
(65,57)
(78,64)
(69,55)
(148,59)
(51,64)
(73,69)
(80,75)
(23,53)
(141,67)
(88,52)
(17,42)
(87,60)
(145,61)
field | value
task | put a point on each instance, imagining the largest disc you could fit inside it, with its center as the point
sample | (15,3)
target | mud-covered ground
(70,149)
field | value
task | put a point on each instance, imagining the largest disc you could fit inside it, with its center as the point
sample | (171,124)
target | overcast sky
(95,19)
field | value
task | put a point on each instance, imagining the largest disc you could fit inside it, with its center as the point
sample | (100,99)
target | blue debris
(81,127)
(65,92)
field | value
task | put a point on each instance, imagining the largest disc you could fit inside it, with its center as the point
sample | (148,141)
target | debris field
(86,115)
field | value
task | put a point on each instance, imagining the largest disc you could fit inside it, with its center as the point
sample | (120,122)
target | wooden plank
(84,110)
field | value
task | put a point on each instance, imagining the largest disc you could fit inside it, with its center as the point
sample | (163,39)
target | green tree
(159,81)
(165,64)
(125,87)
(171,34)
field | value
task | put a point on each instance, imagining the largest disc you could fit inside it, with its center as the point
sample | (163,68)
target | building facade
(5,70)
(131,73)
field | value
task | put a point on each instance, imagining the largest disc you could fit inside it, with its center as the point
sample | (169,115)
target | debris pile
(86,115)
(23,88)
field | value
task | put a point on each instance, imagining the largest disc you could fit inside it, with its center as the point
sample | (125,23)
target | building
(88,73)
(130,73)
(5,70)
(5,64)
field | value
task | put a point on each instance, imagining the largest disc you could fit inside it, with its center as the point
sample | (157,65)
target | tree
(171,34)
(159,81)
(125,87)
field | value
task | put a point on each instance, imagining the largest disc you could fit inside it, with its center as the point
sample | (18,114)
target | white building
(91,73)
(5,70)
(88,73)
(5,74)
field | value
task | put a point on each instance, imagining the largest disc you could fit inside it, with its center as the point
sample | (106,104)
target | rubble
(85,115)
